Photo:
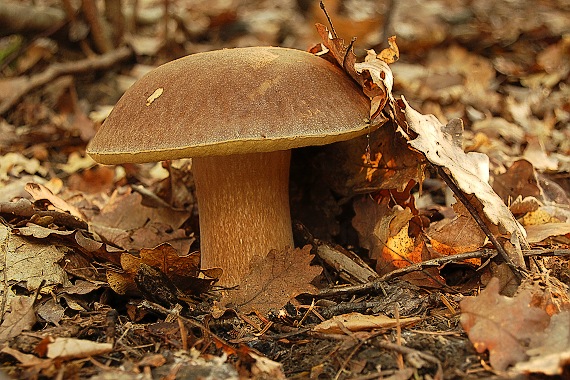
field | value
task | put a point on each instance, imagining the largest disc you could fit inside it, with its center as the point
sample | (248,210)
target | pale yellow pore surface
(243,202)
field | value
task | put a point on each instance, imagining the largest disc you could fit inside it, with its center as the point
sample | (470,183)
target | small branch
(162,310)
(376,285)
(333,32)
(98,32)
(469,206)
(410,351)
(56,70)
(114,13)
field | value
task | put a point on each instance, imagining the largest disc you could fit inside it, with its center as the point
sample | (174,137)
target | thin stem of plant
(469,206)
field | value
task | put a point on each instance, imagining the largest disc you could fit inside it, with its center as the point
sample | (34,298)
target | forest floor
(410,265)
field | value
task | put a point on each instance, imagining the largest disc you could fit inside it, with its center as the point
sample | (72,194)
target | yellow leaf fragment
(155,95)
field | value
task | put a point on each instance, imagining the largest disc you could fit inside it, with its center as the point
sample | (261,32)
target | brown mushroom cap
(232,101)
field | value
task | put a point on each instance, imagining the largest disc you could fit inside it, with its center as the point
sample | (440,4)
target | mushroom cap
(232,101)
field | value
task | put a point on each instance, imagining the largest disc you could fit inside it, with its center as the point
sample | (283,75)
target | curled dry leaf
(273,280)
(344,57)
(470,171)
(67,348)
(379,87)
(458,235)
(359,322)
(38,191)
(182,271)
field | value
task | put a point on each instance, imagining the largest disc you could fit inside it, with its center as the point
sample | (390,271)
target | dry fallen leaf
(264,368)
(504,326)
(273,280)
(66,348)
(125,222)
(182,271)
(539,232)
(12,164)
(550,352)
(458,235)
(30,263)
(38,191)
(372,222)
(470,171)
(21,317)
(359,322)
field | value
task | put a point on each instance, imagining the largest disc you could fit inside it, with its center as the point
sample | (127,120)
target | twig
(98,32)
(469,206)
(19,18)
(410,351)
(349,307)
(161,309)
(546,252)
(56,70)
(114,13)
(333,32)
(388,19)
(352,353)
(376,285)
(3,301)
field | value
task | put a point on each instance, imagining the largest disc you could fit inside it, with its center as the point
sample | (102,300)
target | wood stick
(56,70)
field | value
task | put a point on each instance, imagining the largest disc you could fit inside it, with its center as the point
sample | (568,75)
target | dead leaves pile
(65,242)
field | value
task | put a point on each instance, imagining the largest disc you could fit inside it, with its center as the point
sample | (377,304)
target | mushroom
(237,113)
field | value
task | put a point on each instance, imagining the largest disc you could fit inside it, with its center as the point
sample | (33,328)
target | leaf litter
(84,243)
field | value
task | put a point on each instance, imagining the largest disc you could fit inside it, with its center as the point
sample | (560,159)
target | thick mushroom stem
(243,205)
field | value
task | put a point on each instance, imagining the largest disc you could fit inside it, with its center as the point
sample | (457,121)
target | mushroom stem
(243,202)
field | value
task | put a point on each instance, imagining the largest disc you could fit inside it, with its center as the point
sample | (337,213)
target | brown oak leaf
(504,326)
(274,279)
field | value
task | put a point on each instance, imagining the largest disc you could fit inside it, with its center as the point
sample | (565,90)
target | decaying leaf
(21,317)
(12,164)
(182,271)
(458,235)
(549,352)
(470,171)
(519,180)
(540,232)
(266,368)
(66,348)
(30,263)
(273,280)
(384,231)
(359,322)
(504,326)
(145,227)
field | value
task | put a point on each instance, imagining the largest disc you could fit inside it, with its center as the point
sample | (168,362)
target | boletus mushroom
(236,113)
